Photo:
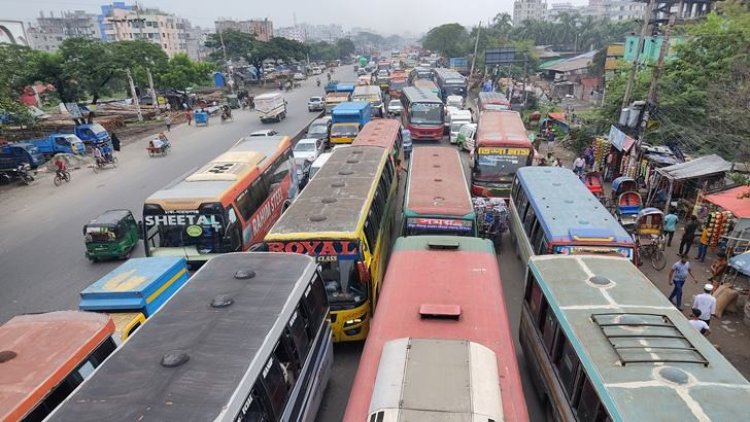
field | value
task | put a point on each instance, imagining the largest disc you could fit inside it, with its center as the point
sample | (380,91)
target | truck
(14,155)
(56,143)
(271,106)
(459,64)
(345,87)
(348,118)
(92,134)
(335,98)
(331,86)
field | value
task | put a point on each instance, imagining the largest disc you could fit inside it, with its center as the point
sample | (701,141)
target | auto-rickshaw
(649,228)
(593,181)
(113,234)
(623,184)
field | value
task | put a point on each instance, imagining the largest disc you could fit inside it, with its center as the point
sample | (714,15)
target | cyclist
(61,167)
(98,156)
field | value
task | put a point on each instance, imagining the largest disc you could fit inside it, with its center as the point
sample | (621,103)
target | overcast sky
(385,16)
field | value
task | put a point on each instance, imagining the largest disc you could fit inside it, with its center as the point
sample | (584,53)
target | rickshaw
(593,181)
(201,117)
(649,229)
(623,184)
(626,201)
(113,234)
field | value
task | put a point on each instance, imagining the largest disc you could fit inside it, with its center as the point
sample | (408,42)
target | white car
(454,101)
(299,77)
(395,107)
(264,132)
(307,149)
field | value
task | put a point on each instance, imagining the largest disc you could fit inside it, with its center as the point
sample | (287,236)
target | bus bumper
(350,325)
(342,140)
(426,134)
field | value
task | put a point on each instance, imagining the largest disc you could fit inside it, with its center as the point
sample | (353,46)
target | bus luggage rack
(647,338)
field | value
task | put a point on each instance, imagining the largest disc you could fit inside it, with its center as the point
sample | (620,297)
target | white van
(456,119)
(467,136)
(318,163)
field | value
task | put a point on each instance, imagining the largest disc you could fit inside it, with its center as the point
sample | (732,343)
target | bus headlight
(355,321)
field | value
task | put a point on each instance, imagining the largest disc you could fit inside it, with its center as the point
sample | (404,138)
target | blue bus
(552,212)
(604,344)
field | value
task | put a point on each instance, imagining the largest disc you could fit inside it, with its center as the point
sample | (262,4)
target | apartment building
(50,30)
(166,30)
(262,29)
(528,10)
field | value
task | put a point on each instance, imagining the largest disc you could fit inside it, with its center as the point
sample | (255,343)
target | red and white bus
(423,114)
(502,147)
(440,345)
(225,206)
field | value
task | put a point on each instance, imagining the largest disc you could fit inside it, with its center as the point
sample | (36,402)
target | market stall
(736,201)
(679,185)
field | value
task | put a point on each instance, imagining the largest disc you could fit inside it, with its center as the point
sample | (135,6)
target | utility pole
(651,103)
(634,67)
(153,91)
(135,95)
(476,45)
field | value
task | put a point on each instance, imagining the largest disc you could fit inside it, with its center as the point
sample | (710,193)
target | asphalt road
(42,262)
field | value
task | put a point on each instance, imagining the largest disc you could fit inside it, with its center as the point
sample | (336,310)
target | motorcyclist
(61,166)
(317,81)
(98,156)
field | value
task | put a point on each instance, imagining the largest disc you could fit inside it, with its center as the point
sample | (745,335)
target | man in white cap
(705,303)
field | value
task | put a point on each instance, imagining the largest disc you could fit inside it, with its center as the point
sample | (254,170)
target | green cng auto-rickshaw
(113,234)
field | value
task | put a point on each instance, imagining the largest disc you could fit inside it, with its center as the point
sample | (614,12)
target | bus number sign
(503,151)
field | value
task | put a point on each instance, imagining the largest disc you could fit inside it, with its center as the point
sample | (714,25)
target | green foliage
(346,48)
(450,40)
(181,73)
(323,51)
(238,45)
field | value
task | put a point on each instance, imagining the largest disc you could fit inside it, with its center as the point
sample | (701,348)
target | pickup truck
(271,106)
(348,119)
(331,86)
(59,143)
(14,155)
(92,134)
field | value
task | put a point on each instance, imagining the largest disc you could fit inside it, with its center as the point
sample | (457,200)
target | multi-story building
(50,31)
(196,42)
(523,10)
(329,33)
(262,29)
(295,33)
(166,30)
(555,9)
(106,10)
(616,10)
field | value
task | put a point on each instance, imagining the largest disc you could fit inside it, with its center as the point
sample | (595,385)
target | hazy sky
(385,16)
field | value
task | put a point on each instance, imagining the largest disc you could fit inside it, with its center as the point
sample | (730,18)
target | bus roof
(565,207)
(366,90)
(378,133)
(437,183)
(424,84)
(492,98)
(210,182)
(420,95)
(335,202)
(691,381)
(445,272)
(502,128)
(37,352)
(222,319)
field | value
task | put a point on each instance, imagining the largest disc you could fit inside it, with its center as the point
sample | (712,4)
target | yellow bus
(344,218)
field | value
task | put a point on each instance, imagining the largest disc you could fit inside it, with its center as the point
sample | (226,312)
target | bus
(371,94)
(502,146)
(395,86)
(419,73)
(492,101)
(604,344)
(224,206)
(344,219)
(423,114)
(246,339)
(437,199)
(427,85)
(44,357)
(383,133)
(440,347)
(552,212)
(450,82)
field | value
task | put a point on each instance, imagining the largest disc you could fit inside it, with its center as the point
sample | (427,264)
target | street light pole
(134,94)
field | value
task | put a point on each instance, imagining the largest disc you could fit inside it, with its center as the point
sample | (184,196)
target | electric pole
(135,95)
(655,73)
(476,45)
(153,91)
(634,67)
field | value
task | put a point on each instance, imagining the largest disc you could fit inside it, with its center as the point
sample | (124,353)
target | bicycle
(62,176)
(654,251)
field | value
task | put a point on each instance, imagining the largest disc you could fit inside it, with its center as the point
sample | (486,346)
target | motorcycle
(317,81)
(21,173)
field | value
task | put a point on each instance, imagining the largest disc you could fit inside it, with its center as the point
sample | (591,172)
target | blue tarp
(741,263)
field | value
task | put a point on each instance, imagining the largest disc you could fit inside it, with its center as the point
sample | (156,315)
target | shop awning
(701,167)
(732,200)
(620,140)
(741,263)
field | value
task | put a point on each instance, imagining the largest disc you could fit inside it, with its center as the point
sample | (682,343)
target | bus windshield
(493,162)
(203,231)
(454,90)
(343,286)
(344,130)
(426,113)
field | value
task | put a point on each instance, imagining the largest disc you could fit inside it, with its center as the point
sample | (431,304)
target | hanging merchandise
(718,224)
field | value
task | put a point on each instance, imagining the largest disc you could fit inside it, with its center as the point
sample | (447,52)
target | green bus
(437,199)
(602,343)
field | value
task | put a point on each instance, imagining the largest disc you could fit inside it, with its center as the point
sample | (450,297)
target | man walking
(705,303)
(697,323)
(687,237)
(670,226)
(677,276)
(168,122)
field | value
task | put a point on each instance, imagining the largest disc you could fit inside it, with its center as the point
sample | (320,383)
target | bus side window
(549,329)
(568,367)
(514,190)
(258,409)
(534,298)
(589,407)
(529,220)
(537,236)
(276,385)
(298,334)
(316,304)
(371,232)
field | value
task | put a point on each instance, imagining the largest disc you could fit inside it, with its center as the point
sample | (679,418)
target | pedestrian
(115,142)
(588,157)
(688,235)
(550,141)
(677,276)
(705,303)
(578,165)
(168,122)
(189,117)
(697,323)
(703,244)
(718,267)
(670,226)
(168,107)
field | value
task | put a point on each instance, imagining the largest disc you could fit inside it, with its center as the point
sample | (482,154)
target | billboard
(502,55)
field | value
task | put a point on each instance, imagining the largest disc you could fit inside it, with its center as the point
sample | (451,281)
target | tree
(277,48)
(345,47)
(238,45)
(322,50)
(138,56)
(181,73)
(449,39)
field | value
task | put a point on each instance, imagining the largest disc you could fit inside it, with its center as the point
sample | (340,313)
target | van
(466,137)
(318,163)
(456,119)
